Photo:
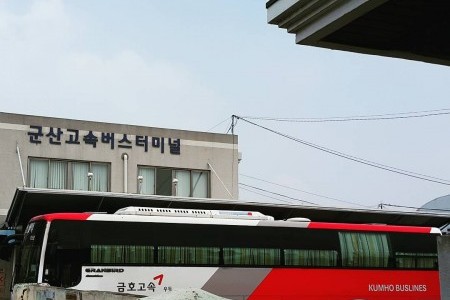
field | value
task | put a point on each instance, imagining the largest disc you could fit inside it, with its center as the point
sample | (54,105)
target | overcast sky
(192,64)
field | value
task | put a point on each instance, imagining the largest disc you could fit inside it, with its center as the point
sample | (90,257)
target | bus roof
(235,221)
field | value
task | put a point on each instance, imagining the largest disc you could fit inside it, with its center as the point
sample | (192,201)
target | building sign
(58,136)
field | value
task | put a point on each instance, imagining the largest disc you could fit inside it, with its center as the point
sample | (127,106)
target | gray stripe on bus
(241,281)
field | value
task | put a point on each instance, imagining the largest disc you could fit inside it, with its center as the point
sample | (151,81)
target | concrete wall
(5,279)
(197,150)
(41,292)
(444,265)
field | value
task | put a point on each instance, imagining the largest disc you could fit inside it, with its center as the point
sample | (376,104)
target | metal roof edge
(222,201)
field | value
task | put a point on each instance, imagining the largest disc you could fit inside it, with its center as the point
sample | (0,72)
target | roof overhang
(29,202)
(409,29)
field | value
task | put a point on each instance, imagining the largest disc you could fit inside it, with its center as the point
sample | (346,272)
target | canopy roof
(30,202)
(409,29)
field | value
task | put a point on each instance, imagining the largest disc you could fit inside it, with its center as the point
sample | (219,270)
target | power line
(379,117)
(412,207)
(218,124)
(267,196)
(281,195)
(306,192)
(353,158)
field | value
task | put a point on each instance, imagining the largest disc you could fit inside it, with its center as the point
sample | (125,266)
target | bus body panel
(143,280)
(348,284)
(263,283)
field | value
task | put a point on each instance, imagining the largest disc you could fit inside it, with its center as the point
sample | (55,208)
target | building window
(72,175)
(159,181)
(164,182)
(199,184)
(146,180)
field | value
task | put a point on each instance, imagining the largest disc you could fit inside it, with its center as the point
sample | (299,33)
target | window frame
(69,171)
(173,176)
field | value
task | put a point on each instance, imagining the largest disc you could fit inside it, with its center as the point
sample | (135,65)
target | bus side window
(70,262)
(415,251)
(310,258)
(64,256)
(251,256)
(366,250)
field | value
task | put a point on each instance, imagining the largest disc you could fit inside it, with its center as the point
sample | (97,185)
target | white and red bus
(236,255)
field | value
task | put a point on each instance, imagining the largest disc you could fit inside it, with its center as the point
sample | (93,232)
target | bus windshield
(28,268)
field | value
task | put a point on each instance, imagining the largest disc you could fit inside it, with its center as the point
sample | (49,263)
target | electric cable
(306,192)
(379,117)
(218,124)
(267,196)
(353,158)
(417,208)
(278,194)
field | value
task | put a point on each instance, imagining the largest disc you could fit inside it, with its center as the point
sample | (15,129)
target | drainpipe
(125,172)
(20,164)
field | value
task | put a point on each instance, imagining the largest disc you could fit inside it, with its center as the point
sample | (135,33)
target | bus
(232,254)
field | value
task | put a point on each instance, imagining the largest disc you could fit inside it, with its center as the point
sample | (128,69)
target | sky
(193,64)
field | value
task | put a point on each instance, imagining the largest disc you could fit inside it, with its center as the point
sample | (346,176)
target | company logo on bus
(104,270)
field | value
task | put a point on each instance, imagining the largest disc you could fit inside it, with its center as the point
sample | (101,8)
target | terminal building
(61,154)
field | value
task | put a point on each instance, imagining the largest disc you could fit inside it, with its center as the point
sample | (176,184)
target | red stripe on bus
(325,284)
(369,227)
(63,216)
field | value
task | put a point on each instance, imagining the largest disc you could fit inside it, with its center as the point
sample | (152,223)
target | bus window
(415,260)
(124,254)
(30,253)
(251,256)
(188,255)
(65,253)
(366,250)
(310,258)
(415,251)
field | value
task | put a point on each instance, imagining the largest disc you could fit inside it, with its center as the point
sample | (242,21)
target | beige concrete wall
(5,279)
(197,150)
(40,292)
(444,265)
